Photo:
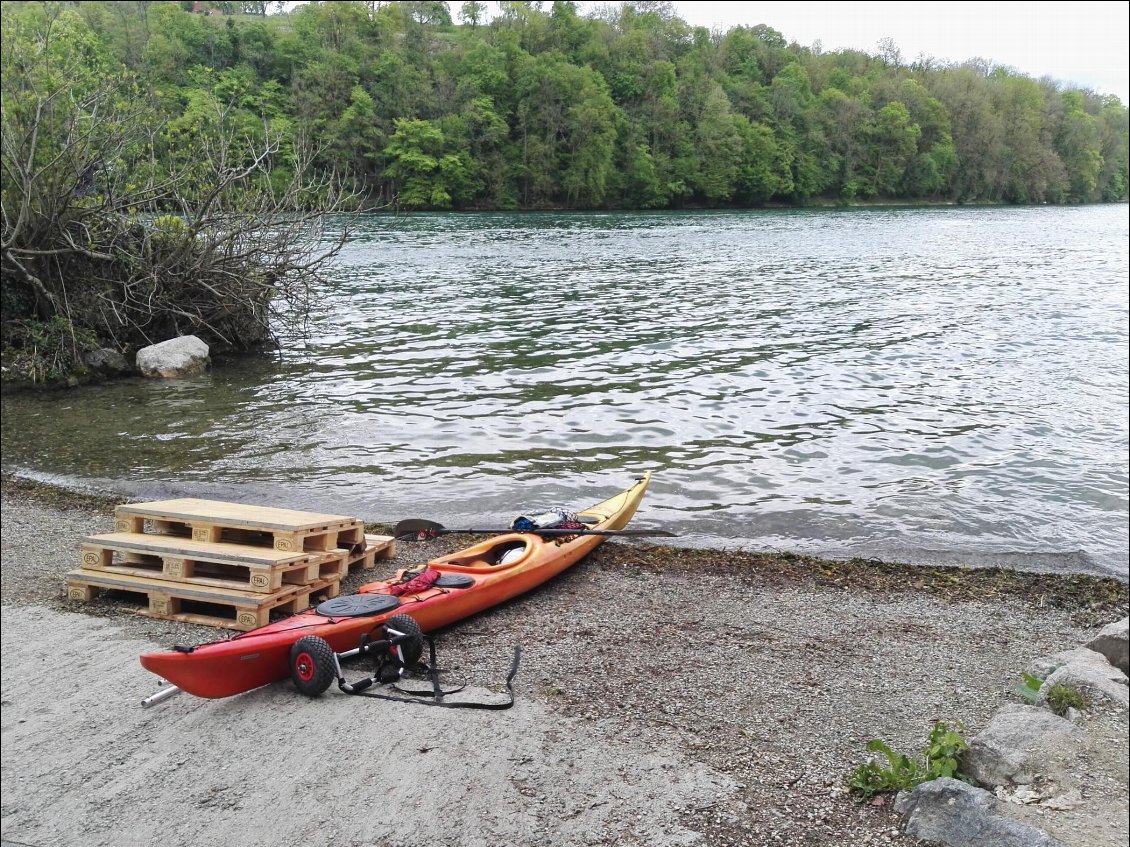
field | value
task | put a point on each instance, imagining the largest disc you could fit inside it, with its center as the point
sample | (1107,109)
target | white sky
(1084,43)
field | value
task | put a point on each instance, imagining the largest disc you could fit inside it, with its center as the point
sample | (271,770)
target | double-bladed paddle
(420,528)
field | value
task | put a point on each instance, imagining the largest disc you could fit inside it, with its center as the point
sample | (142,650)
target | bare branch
(159,238)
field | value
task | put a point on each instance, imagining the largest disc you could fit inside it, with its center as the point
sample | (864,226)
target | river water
(930,385)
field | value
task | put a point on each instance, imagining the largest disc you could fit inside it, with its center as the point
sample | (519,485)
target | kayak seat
(509,553)
(357,605)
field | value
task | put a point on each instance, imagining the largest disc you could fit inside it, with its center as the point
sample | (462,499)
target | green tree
(720,148)
(488,142)
(844,121)
(566,131)
(356,137)
(472,13)
(127,231)
(425,176)
(979,136)
(587,154)
(1114,178)
(625,105)
(1035,173)
(894,144)
(764,169)
(1079,144)
(930,171)
(640,187)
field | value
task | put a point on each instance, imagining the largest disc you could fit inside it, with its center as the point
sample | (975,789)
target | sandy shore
(666,697)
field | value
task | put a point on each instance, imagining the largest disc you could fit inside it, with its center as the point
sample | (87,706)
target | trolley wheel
(413,648)
(312,665)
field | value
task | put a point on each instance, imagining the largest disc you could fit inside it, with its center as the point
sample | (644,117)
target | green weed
(1062,697)
(1030,688)
(902,772)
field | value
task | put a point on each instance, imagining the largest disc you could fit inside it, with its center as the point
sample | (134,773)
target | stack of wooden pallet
(223,564)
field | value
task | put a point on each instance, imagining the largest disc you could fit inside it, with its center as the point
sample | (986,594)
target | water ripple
(940,385)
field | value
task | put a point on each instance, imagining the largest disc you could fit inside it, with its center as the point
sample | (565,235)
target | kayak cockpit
(501,552)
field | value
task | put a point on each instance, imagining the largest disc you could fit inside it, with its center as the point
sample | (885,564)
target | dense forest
(529,105)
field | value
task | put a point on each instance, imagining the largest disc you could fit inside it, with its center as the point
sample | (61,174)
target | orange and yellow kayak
(471,580)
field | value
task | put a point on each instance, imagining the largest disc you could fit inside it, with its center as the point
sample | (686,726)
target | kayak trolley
(314,665)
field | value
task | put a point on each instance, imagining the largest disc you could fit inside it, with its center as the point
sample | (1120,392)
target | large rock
(1045,666)
(1112,643)
(948,811)
(1086,670)
(106,361)
(1017,745)
(1096,684)
(177,357)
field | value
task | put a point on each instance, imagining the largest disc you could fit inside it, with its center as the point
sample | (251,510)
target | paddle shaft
(551,531)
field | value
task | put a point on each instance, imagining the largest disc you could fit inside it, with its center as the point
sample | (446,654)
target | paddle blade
(417,528)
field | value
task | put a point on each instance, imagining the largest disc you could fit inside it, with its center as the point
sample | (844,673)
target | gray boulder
(1097,684)
(1112,643)
(948,811)
(1017,745)
(1046,665)
(177,357)
(1086,670)
(106,361)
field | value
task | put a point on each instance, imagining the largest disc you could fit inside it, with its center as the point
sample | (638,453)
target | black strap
(437,694)
(433,672)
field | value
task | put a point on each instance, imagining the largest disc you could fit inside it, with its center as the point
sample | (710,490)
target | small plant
(943,748)
(1062,697)
(870,779)
(1030,688)
(901,772)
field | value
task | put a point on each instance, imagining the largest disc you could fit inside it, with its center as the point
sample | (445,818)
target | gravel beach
(665,697)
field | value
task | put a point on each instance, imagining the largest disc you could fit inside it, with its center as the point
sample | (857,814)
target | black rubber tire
(413,648)
(312,665)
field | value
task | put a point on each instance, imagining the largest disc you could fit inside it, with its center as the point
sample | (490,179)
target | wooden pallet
(377,548)
(228,608)
(219,565)
(215,521)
